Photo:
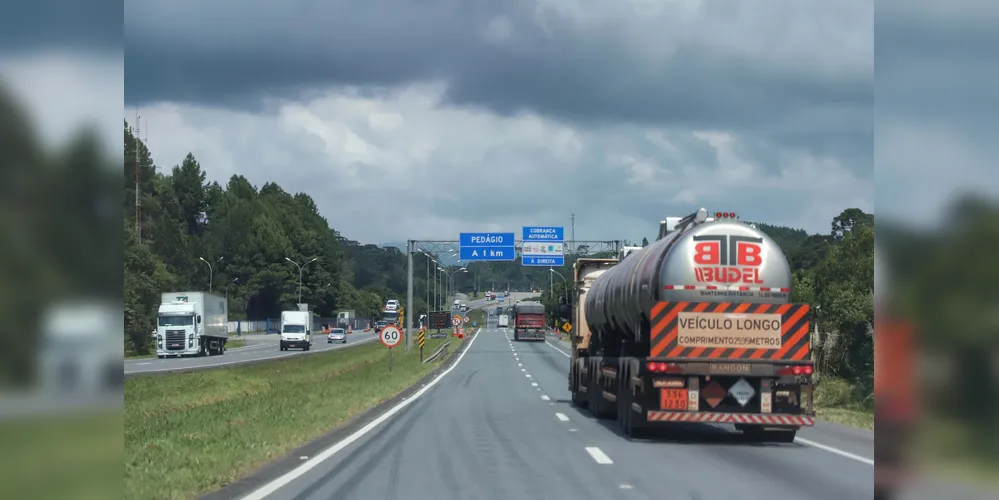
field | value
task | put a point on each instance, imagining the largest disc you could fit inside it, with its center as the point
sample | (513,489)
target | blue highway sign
(550,261)
(543,246)
(544,233)
(487,253)
(486,240)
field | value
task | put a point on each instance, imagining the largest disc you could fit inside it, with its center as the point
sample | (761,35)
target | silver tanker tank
(719,260)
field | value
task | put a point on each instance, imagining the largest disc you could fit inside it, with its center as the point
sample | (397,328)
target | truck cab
(177,329)
(296,330)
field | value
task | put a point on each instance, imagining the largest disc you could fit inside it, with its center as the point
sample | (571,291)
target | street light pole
(211,271)
(227,291)
(300,274)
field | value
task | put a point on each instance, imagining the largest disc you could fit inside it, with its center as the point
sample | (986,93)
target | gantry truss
(443,251)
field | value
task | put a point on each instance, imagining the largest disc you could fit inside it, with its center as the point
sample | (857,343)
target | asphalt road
(499,425)
(258,348)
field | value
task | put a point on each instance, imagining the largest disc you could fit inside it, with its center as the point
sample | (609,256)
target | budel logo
(728,259)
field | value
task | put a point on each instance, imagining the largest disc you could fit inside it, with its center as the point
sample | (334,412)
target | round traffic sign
(390,336)
(467,319)
(456,320)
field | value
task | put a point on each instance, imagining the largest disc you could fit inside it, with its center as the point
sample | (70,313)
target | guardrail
(441,351)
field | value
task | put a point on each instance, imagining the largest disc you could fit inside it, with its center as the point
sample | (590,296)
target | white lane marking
(598,455)
(271,487)
(520,364)
(546,398)
(146,363)
(523,369)
(836,451)
(534,384)
(557,349)
(528,375)
(562,417)
(254,359)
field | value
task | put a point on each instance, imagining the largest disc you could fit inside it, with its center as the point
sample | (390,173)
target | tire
(307,346)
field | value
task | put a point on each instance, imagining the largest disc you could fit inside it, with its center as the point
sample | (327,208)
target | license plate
(673,399)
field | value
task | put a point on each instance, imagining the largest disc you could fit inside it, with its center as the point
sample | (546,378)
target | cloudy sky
(423,119)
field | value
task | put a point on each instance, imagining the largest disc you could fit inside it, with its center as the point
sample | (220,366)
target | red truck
(529,321)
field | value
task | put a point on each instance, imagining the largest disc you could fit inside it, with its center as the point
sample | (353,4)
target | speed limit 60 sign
(391,336)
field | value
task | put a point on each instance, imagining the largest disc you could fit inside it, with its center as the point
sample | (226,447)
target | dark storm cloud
(80,25)
(233,53)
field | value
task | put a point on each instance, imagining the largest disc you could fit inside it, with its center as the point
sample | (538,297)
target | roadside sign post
(390,336)
(543,246)
(422,341)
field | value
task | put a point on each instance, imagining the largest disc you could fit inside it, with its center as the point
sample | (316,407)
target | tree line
(235,240)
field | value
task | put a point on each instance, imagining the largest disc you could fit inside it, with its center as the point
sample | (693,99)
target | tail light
(796,370)
(660,367)
(724,215)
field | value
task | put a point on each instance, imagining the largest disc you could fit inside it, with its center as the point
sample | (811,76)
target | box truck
(191,324)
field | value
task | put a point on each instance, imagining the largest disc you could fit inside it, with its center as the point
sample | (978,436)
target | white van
(296,330)
(457,304)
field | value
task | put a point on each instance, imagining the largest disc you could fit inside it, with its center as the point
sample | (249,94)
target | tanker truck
(696,327)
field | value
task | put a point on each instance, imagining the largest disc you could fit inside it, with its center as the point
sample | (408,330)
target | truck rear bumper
(732,418)
(530,334)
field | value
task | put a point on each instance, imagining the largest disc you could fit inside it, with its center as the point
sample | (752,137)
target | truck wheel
(306,348)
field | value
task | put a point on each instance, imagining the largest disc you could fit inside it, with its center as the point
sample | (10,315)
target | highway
(498,424)
(258,348)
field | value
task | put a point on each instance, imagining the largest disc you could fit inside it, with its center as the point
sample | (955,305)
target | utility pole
(135,144)
(573,237)
(409,296)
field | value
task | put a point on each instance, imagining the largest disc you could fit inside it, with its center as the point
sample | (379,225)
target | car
(379,325)
(337,335)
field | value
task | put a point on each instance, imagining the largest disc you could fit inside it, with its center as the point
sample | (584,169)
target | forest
(235,241)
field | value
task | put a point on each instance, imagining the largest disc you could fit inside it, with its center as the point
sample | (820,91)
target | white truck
(392,305)
(191,323)
(504,321)
(296,329)
(344,318)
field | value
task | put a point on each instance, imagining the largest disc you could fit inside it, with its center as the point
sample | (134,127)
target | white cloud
(404,165)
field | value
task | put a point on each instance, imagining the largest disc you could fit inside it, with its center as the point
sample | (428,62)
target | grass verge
(190,433)
(231,343)
(836,401)
(72,457)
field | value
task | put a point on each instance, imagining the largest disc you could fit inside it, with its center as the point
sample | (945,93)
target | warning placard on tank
(727,330)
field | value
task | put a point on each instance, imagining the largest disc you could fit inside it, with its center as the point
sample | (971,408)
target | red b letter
(748,254)
(706,253)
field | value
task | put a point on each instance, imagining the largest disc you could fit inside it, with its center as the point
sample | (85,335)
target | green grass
(231,343)
(189,433)
(76,457)
(836,401)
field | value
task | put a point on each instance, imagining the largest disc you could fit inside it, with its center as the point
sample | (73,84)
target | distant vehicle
(191,323)
(379,325)
(337,335)
(506,293)
(503,321)
(343,318)
(392,305)
(464,307)
(296,330)
(391,316)
(457,304)
(528,321)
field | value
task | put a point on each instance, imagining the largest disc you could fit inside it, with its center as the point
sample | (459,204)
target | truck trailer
(696,327)
(191,323)
(528,321)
